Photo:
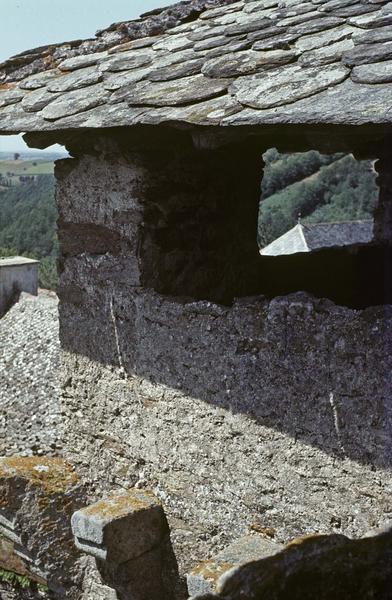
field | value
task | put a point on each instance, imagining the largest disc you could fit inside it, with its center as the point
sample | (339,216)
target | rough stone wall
(267,413)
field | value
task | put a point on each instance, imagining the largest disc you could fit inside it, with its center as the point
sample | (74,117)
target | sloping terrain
(315,187)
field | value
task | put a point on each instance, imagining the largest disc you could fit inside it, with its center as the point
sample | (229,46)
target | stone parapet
(204,578)
(325,567)
(37,498)
(129,536)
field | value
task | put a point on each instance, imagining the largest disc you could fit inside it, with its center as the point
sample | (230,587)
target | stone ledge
(128,535)
(326,567)
(204,578)
(51,474)
(37,498)
(120,528)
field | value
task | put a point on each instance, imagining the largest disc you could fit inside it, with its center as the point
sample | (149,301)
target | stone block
(120,528)
(128,535)
(204,578)
(326,567)
(37,497)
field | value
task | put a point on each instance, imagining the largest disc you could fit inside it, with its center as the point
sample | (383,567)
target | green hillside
(28,223)
(317,187)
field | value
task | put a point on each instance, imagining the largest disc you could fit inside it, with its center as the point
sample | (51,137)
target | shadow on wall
(352,276)
(303,366)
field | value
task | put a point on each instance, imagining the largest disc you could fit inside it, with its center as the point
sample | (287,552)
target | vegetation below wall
(316,187)
(320,188)
(28,224)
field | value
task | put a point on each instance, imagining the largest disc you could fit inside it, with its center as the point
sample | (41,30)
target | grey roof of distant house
(314,236)
(16,261)
(212,62)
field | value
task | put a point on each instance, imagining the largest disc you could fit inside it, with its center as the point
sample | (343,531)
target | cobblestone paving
(29,392)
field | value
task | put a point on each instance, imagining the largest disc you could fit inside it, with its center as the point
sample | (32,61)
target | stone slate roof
(212,62)
(305,238)
(29,382)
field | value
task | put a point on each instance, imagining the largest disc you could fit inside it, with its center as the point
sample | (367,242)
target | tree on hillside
(333,188)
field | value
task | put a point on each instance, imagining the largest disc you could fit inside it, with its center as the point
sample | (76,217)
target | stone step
(203,578)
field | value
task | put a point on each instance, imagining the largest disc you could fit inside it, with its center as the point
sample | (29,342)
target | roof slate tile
(294,73)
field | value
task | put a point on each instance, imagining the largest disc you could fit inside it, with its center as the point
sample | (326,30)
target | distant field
(24,167)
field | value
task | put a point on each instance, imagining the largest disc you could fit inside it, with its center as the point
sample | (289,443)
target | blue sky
(26,24)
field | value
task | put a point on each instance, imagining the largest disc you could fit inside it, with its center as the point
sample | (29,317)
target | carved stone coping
(326,567)
(203,579)
(36,497)
(121,528)
(50,474)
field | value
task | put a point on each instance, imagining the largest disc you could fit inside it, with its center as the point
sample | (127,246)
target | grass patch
(21,581)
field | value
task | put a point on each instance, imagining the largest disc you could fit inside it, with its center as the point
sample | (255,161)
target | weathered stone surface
(367,53)
(246,26)
(174,42)
(316,25)
(176,71)
(204,578)
(254,5)
(101,116)
(164,59)
(284,86)
(373,73)
(332,5)
(75,80)
(374,36)
(203,33)
(115,82)
(133,45)
(39,80)
(10,96)
(355,10)
(213,42)
(266,33)
(235,45)
(362,105)
(125,61)
(223,34)
(36,100)
(79,62)
(288,21)
(38,497)
(324,56)
(248,61)
(320,40)
(210,112)
(181,91)
(222,10)
(327,567)
(283,41)
(379,18)
(15,121)
(71,103)
(122,527)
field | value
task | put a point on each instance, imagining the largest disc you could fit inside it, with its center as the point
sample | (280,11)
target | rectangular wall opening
(315,228)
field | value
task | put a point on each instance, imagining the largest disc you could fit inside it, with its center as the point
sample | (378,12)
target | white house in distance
(314,236)
(17,274)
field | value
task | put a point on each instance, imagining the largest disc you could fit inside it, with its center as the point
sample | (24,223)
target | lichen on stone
(53,475)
